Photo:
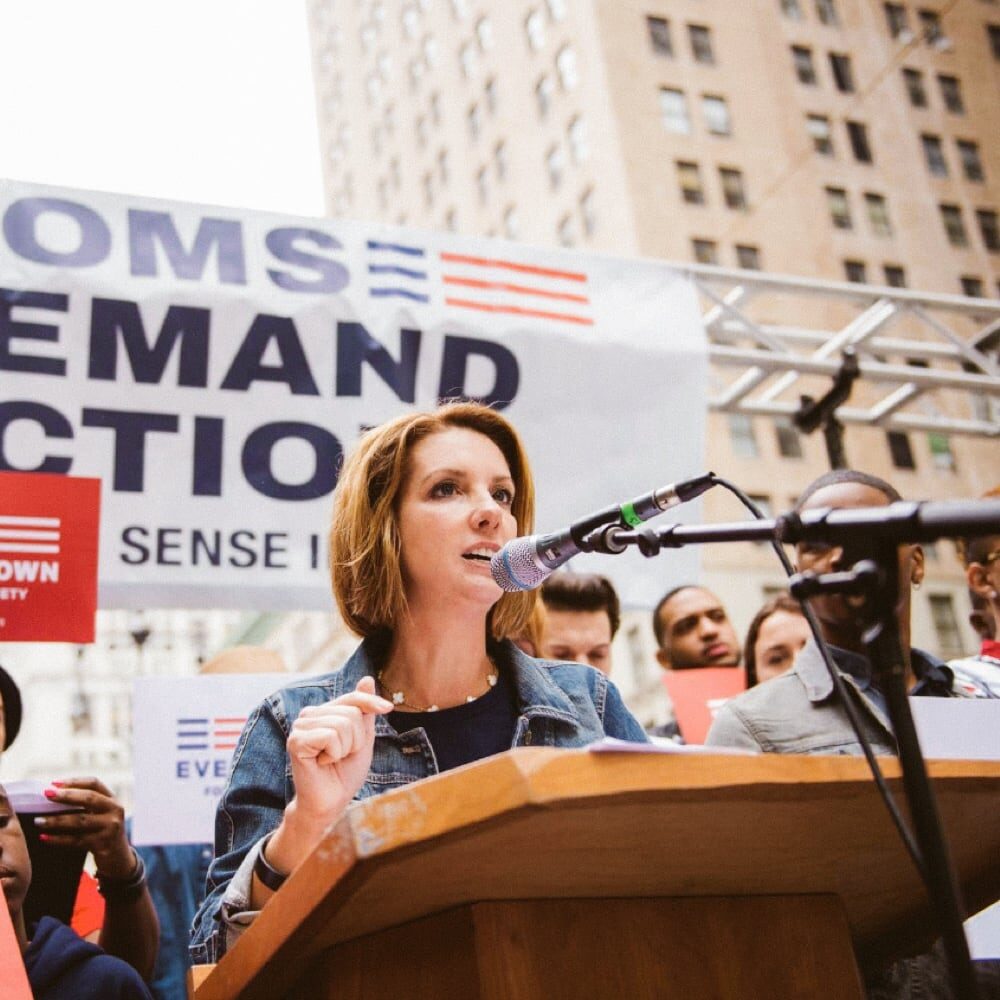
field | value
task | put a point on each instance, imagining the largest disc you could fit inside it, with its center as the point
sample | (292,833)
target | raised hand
(98,826)
(330,749)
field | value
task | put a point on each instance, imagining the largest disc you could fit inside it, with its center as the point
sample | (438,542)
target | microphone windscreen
(515,567)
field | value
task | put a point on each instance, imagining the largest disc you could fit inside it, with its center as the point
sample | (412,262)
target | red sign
(697,694)
(48,557)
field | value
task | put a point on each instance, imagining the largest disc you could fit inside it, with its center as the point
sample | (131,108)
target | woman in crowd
(420,509)
(776,634)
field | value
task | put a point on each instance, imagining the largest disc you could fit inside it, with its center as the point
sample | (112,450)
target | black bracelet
(268,876)
(124,890)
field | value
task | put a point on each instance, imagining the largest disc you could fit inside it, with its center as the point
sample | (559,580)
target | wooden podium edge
(468,798)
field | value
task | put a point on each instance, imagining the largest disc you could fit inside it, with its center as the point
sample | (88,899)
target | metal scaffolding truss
(928,362)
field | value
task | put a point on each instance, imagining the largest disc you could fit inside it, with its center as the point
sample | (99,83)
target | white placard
(212,365)
(185,731)
(964,729)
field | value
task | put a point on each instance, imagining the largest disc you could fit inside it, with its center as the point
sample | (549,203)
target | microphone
(523,563)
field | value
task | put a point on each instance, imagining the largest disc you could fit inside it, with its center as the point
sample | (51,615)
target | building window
(428,185)
(900,450)
(802,59)
(954,225)
(701,43)
(588,215)
(878,214)
(949,635)
(555,164)
(826,11)
(435,104)
(569,75)
(451,220)
(483,185)
(993,30)
(689,178)
(705,251)
(788,437)
(930,26)
(421,130)
(674,111)
(567,231)
(988,228)
(857,132)
(747,257)
(934,155)
(818,127)
(741,436)
(511,226)
(659,35)
(715,112)
(733,189)
(896,19)
(968,153)
(972,286)
(474,119)
(460,8)
(791,9)
(534,28)
(484,34)
(840,209)
(500,160)
(544,90)
(895,276)
(855,271)
(914,81)
(443,171)
(843,76)
(577,134)
(951,94)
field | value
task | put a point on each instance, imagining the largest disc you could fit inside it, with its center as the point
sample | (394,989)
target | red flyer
(15,979)
(697,694)
(48,557)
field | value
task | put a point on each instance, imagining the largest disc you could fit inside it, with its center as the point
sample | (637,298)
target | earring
(916,584)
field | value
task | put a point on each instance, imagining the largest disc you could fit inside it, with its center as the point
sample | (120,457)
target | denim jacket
(559,705)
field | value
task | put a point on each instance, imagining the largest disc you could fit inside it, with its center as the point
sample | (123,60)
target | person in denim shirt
(420,509)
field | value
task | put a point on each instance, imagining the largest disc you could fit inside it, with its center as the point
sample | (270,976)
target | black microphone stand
(881,529)
(876,580)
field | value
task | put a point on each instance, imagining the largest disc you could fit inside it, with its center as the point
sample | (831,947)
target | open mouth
(478,556)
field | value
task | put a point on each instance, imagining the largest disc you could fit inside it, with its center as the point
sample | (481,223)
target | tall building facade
(834,140)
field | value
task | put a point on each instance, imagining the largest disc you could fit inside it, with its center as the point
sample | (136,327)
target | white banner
(212,365)
(185,730)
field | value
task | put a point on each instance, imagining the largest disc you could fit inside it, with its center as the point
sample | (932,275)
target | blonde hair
(364,539)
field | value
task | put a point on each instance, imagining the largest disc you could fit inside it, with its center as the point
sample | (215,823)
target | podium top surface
(549,824)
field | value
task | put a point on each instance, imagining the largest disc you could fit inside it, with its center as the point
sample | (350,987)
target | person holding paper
(421,507)
(59,963)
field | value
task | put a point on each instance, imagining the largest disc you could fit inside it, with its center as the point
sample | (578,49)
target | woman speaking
(420,509)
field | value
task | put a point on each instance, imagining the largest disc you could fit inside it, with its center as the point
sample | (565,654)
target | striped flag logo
(479,284)
(507,287)
(29,535)
(217,733)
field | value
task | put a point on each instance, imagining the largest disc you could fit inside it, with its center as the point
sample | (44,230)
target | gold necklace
(398,698)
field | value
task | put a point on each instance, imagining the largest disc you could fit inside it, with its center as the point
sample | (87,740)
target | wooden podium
(565,873)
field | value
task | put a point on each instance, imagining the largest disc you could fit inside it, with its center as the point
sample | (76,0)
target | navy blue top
(934,679)
(62,966)
(466,732)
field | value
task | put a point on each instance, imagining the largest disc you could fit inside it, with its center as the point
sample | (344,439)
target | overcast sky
(197,100)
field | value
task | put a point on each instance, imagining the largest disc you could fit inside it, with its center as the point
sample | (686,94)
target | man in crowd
(692,629)
(582,615)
